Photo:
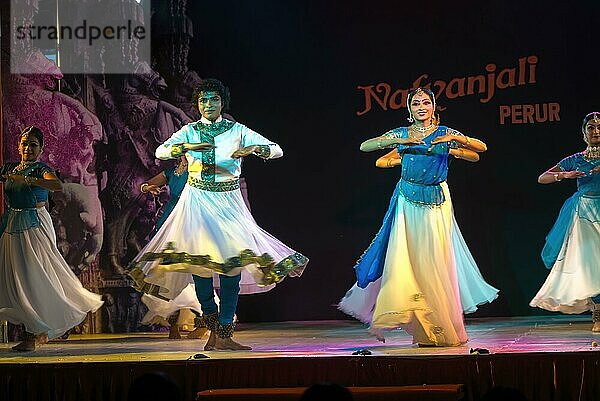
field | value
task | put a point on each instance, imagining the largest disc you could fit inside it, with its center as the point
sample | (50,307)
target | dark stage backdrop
(320,77)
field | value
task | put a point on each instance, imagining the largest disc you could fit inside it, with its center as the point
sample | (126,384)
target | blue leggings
(230,290)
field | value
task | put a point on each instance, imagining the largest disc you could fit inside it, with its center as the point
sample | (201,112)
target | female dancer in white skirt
(37,287)
(572,247)
(418,273)
(174,177)
(211,229)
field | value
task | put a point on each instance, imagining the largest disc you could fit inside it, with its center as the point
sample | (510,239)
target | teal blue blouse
(590,183)
(424,167)
(583,204)
(20,199)
(176,184)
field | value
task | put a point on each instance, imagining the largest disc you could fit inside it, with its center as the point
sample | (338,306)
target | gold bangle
(389,162)
(468,141)
(556,177)
(143,186)
(461,153)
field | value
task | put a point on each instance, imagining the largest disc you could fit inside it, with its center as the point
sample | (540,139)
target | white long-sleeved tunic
(216,165)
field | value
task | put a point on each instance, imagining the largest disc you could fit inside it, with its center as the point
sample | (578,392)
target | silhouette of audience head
(154,386)
(326,391)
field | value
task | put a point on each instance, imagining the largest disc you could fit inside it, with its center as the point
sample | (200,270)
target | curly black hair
(35,131)
(213,85)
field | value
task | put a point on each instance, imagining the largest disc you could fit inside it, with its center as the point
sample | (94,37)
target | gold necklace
(421,128)
(22,166)
(417,132)
(592,153)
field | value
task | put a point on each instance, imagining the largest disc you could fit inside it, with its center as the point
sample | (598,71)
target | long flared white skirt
(37,287)
(159,309)
(213,232)
(575,276)
(429,278)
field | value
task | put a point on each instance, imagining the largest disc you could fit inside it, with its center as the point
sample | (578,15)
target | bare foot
(210,344)
(118,270)
(378,334)
(174,333)
(41,339)
(198,332)
(229,344)
(596,327)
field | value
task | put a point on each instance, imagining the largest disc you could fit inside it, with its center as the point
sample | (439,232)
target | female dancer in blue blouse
(572,247)
(37,287)
(418,273)
(175,177)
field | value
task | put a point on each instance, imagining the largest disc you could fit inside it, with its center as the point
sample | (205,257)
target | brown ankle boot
(225,342)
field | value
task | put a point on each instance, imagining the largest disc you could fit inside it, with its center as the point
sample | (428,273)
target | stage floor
(547,358)
(318,339)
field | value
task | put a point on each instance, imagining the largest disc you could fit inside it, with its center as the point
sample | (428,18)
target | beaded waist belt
(421,193)
(24,209)
(214,186)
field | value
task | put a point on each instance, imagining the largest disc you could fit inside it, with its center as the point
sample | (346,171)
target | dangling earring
(410,117)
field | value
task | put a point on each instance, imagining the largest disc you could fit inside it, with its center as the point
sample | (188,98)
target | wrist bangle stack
(143,187)
(263,151)
(177,150)
(557,177)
